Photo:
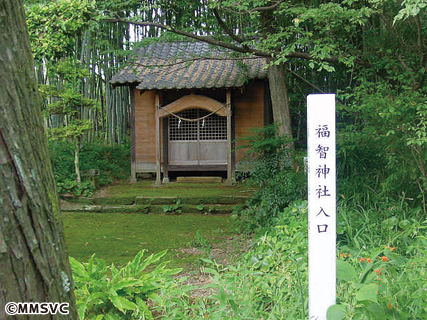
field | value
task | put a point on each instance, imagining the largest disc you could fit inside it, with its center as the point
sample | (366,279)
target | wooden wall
(248,112)
(145,131)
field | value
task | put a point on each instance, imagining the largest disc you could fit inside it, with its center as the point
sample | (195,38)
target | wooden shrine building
(190,101)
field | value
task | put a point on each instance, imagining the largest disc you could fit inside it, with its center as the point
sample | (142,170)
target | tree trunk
(76,160)
(33,261)
(280,100)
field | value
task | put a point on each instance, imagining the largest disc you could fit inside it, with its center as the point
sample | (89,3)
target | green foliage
(271,170)
(54,26)
(106,292)
(65,98)
(71,30)
(74,130)
(382,138)
(385,147)
(380,251)
(381,272)
(111,162)
(212,209)
(268,282)
(410,8)
(323,29)
(199,242)
(202,209)
(176,208)
(85,188)
(381,148)
(381,284)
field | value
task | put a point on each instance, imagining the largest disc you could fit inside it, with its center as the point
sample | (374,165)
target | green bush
(111,162)
(85,188)
(377,283)
(272,169)
(381,271)
(105,292)
(176,208)
(381,274)
(199,241)
(382,143)
(269,281)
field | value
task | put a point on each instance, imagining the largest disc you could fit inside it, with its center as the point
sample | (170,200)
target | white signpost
(321,204)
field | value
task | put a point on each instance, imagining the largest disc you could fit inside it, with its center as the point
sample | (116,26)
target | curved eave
(137,85)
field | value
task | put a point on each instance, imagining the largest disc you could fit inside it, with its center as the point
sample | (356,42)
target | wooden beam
(193,101)
(230,172)
(133,135)
(233,138)
(197,167)
(158,143)
(165,150)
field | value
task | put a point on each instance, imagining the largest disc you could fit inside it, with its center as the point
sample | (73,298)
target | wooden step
(199,179)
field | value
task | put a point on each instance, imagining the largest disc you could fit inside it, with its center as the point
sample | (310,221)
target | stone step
(213,200)
(191,200)
(144,209)
(199,180)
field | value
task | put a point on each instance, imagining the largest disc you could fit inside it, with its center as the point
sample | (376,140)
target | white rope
(194,120)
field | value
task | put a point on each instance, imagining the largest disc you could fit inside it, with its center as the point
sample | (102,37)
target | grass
(116,238)
(146,188)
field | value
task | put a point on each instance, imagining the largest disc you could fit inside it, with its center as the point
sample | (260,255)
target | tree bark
(33,261)
(76,160)
(280,100)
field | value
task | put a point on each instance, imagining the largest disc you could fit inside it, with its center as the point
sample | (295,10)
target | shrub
(111,162)
(269,282)
(103,290)
(382,144)
(85,188)
(199,241)
(176,208)
(272,170)
(381,270)
(378,283)
(381,274)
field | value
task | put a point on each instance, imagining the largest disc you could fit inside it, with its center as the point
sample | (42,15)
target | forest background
(372,54)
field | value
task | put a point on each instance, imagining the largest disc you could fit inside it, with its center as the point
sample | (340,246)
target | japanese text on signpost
(322,203)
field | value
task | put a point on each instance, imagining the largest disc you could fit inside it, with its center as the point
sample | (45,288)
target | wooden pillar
(231,180)
(158,142)
(133,135)
(165,150)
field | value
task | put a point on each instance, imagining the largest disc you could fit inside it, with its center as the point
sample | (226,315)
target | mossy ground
(116,237)
(147,188)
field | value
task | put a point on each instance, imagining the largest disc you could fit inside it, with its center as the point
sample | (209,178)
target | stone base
(199,179)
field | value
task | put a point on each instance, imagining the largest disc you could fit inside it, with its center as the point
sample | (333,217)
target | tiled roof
(186,65)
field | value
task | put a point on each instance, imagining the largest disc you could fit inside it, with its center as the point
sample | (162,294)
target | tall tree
(306,33)
(67,29)
(33,260)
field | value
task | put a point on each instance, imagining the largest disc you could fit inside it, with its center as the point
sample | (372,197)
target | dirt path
(223,253)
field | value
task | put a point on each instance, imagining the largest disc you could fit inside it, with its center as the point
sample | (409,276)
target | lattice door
(201,142)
